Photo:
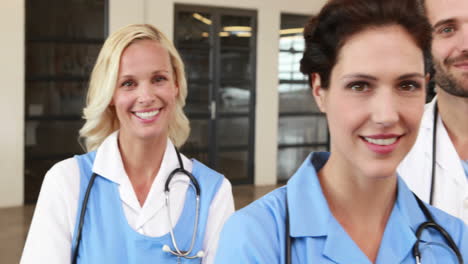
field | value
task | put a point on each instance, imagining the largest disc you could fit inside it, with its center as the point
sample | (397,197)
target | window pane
(49,138)
(290,159)
(235,31)
(234,97)
(193,29)
(302,130)
(55,98)
(198,97)
(235,65)
(197,63)
(295,97)
(233,131)
(66,19)
(198,138)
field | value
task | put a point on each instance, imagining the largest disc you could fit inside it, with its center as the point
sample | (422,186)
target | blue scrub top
(107,237)
(256,233)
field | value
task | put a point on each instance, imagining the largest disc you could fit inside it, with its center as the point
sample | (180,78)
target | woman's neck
(361,204)
(142,160)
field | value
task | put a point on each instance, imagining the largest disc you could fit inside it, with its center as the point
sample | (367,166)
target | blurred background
(251,112)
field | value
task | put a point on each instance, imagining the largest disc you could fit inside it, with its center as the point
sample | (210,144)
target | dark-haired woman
(365,60)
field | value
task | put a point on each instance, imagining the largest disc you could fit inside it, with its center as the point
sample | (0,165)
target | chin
(151,134)
(381,169)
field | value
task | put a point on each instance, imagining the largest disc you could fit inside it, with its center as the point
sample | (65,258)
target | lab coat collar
(428,117)
(310,216)
(447,156)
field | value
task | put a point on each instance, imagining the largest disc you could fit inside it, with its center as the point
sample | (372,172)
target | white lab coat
(451,184)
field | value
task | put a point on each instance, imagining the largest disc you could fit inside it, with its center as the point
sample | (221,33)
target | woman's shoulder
(266,212)
(254,233)
(64,176)
(62,168)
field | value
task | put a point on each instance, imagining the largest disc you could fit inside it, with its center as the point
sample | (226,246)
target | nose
(384,108)
(463,40)
(146,94)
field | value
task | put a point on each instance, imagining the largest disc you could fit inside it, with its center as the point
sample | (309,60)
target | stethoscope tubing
(434,153)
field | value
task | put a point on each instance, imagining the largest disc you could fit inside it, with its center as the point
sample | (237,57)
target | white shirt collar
(108,164)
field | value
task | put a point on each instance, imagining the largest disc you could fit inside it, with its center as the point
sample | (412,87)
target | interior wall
(12,103)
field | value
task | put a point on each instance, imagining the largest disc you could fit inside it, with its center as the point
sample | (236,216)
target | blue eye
(128,83)
(446,30)
(158,79)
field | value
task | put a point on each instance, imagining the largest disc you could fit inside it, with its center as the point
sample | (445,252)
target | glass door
(218,47)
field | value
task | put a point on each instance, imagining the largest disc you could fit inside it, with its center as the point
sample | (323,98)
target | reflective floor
(14,222)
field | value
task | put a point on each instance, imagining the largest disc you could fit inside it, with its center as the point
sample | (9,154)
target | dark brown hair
(338,20)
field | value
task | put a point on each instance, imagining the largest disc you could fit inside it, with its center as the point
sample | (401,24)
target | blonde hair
(101,120)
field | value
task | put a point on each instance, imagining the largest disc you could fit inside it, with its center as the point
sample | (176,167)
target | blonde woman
(133,198)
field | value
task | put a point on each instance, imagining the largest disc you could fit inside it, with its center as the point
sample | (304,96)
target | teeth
(381,141)
(147,115)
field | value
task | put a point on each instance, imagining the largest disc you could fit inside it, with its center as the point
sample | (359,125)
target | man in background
(444,184)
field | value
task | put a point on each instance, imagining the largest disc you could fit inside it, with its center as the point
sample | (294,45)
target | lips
(148,115)
(461,65)
(383,143)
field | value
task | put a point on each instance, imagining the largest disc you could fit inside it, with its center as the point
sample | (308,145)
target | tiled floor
(14,222)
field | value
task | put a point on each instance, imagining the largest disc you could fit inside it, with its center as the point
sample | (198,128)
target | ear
(177,89)
(176,82)
(427,77)
(318,92)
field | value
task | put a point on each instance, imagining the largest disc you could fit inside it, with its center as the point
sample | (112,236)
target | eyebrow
(411,75)
(359,76)
(442,22)
(131,75)
(372,78)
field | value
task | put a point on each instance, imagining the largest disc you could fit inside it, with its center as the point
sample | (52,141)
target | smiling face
(449,19)
(375,100)
(146,91)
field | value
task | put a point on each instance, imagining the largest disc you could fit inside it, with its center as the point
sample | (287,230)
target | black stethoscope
(434,149)
(176,252)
